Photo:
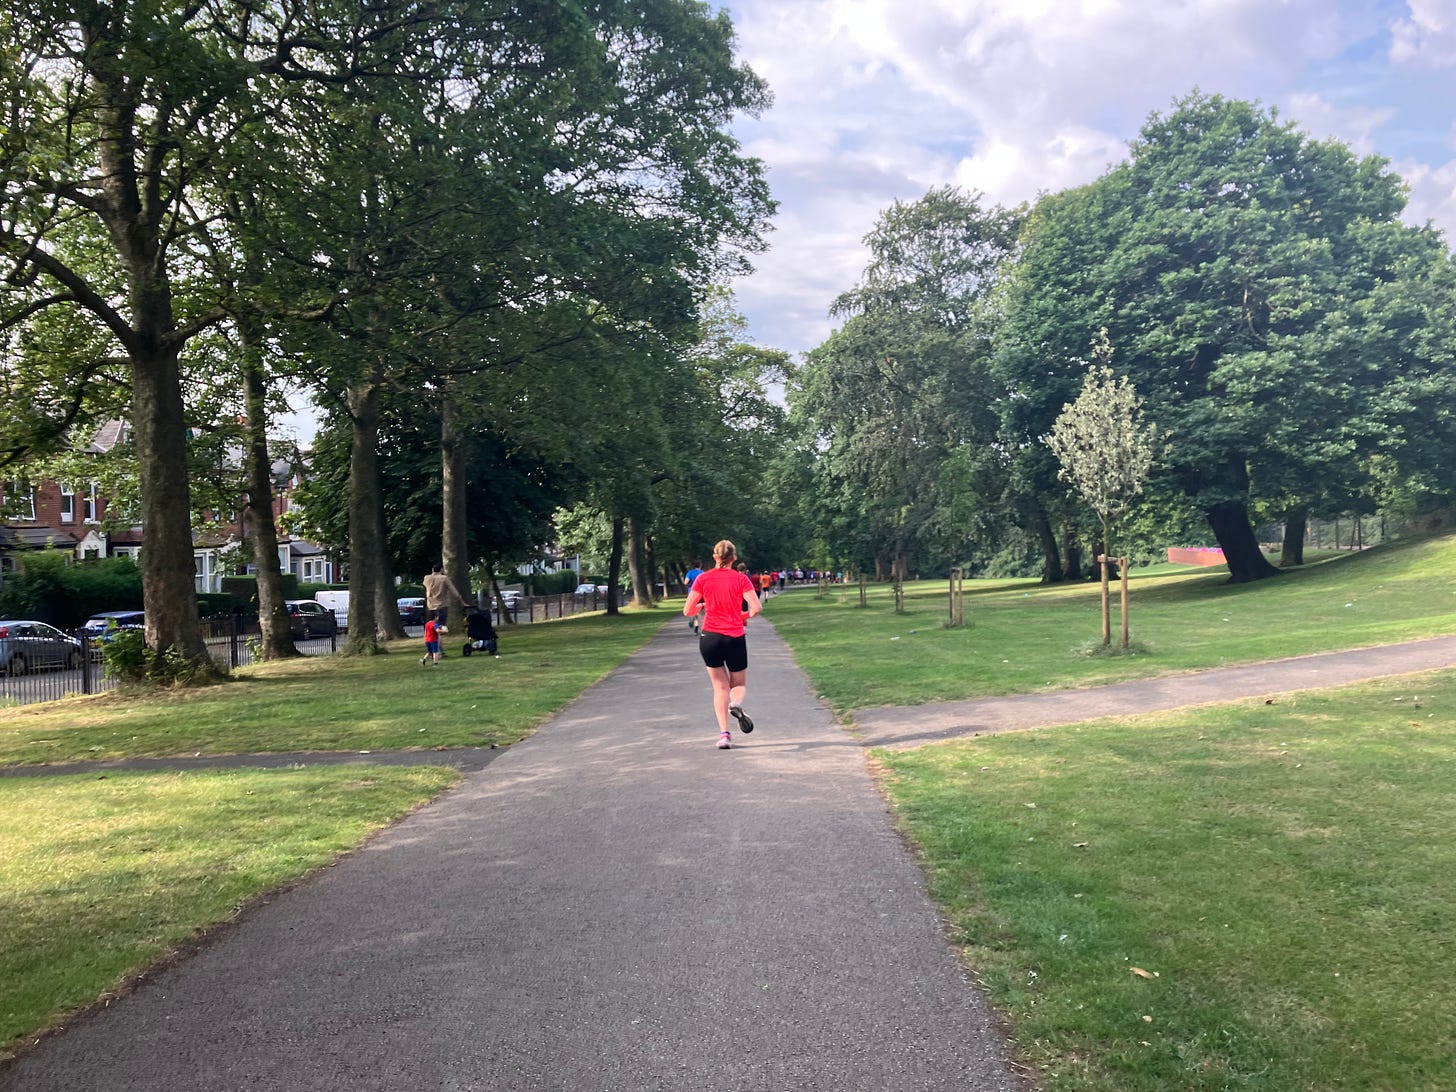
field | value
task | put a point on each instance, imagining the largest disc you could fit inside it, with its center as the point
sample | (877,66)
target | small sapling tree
(1106,450)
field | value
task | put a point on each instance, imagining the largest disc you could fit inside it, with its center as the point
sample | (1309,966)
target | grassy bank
(102,876)
(336,703)
(1021,637)
(1251,896)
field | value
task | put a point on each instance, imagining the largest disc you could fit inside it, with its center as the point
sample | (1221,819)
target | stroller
(481,633)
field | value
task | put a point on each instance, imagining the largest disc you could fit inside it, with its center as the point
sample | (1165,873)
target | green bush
(221,605)
(551,583)
(129,659)
(245,589)
(126,655)
(311,590)
(53,587)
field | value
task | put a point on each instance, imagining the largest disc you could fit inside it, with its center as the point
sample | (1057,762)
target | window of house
(90,504)
(312,570)
(68,504)
(19,499)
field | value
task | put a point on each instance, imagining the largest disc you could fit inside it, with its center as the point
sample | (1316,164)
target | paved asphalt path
(913,726)
(612,904)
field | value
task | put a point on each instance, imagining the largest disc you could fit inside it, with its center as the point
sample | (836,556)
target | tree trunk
(366,550)
(169,586)
(882,567)
(641,582)
(1071,553)
(1231,527)
(454,548)
(277,639)
(1051,561)
(1296,524)
(901,569)
(387,624)
(614,567)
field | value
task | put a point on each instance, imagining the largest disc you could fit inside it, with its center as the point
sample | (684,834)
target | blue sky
(879,100)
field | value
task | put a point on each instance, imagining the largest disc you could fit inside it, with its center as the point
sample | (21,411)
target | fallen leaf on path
(1142,973)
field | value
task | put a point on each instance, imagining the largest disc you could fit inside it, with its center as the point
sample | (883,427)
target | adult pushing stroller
(481,633)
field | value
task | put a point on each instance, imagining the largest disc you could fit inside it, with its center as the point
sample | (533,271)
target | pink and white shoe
(725,740)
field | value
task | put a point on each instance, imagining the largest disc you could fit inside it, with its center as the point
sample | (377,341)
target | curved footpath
(913,726)
(612,904)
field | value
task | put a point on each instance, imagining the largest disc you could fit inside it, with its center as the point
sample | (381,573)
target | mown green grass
(1283,870)
(339,703)
(1022,637)
(101,877)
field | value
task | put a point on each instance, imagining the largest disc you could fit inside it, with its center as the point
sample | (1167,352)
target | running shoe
(725,740)
(745,722)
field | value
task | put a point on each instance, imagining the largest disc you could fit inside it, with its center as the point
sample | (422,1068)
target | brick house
(69,516)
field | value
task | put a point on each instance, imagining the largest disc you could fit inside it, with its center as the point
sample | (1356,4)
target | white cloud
(1352,125)
(1428,37)
(879,100)
(1432,194)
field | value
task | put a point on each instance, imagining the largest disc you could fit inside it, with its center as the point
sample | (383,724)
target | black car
(307,618)
(412,611)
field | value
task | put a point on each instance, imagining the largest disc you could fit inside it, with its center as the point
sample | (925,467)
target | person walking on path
(437,584)
(731,600)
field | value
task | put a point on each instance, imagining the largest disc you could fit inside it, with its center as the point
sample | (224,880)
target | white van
(338,602)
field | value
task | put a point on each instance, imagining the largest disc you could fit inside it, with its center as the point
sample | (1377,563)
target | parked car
(412,611)
(100,627)
(591,589)
(307,618)
(30,646)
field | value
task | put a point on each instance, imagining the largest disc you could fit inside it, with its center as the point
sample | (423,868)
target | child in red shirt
(432,642)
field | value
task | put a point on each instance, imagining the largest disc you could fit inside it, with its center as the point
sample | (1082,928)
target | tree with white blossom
(1106,450)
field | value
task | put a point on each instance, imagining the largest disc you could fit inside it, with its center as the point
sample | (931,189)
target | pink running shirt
(724,590)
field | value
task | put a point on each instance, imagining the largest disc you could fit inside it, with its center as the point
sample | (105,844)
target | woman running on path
(731,601)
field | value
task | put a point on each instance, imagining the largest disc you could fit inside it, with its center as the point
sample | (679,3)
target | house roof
(107,436)
(35,538)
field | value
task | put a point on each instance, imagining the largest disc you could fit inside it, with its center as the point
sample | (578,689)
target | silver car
(31,646)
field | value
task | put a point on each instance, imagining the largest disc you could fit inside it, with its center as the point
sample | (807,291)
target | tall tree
(1224,258)
(108,122)
(904,382)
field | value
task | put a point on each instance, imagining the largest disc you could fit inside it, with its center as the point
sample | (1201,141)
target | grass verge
(1022,637)
(102,876)
(1251,896)
(338,703)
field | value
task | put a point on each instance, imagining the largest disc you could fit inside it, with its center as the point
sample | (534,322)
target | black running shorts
(720,651)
